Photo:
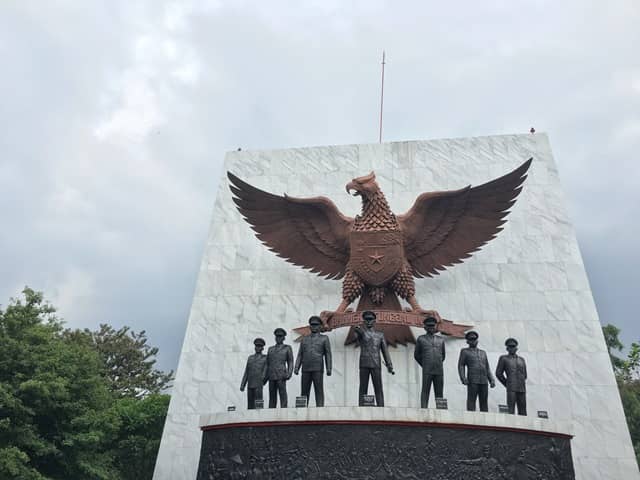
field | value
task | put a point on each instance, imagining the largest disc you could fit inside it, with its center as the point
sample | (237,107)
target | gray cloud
(115,120)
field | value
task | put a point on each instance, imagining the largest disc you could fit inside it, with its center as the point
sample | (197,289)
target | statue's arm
(385,354)
(525,368)
(443,351)
(500,372)
(289,362)
(328,360)
(492,381)
(296,369)
(461,364)
(417,353)
(245,377)
(266,370)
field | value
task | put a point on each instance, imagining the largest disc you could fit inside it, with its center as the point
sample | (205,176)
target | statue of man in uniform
(512,373)
(254,374)
(430,354)
(279,369)
(313,354)
(478,375)
(371,344)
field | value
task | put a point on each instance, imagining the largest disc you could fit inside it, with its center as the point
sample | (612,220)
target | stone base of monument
(382,443)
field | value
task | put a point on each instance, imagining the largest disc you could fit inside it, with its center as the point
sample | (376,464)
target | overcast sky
(115,118)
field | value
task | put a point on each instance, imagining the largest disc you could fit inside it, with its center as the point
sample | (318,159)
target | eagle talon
(432,313)
(326,316)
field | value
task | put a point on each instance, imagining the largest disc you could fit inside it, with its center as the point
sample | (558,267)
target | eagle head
(364,186)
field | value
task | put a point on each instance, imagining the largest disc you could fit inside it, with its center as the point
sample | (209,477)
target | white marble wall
(528,283)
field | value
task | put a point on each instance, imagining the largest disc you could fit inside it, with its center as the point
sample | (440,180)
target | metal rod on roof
(381,98)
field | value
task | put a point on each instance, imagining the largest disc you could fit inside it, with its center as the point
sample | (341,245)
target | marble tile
(505,307)
(593,369)
(516,278)
(586,306)
(565,250)
(604,402)
(576,277)
(627,468)
(560,402)
(373,156)
(537,248)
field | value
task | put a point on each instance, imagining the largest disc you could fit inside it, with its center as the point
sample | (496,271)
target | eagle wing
(308,232)
(444,228)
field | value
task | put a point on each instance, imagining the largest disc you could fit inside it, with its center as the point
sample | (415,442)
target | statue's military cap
(511,342)
(430,320)
(368,314)
(280,331)
(259,341)
(471,333)
(315,319)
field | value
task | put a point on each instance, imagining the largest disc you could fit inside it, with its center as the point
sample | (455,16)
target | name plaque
(231,408)
(503,409)
(259,404)
(543,414)
(368,401)
(441,404)
(301,402)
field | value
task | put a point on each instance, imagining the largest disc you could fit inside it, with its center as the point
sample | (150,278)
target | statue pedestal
(363,443)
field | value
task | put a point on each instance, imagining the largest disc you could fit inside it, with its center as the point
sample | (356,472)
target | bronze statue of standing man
(313,354)
(279,369)
(478,375)
(512,373)
(371,344)
(430,354)
(254,374)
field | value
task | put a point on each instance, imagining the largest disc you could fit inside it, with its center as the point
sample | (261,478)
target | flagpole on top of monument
(381,99)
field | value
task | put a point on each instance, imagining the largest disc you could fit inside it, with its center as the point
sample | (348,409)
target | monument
(527,283)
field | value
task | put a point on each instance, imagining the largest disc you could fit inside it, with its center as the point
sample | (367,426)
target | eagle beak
(352,186)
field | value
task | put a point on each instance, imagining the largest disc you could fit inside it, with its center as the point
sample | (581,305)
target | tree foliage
(138,439)
(51,391)
(129,362)
(611,337)
(60,415)
(627,371)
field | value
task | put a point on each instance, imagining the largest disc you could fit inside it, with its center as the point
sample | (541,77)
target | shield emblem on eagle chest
(376,256)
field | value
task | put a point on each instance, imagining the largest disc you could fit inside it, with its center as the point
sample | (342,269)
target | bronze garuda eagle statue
(378,253)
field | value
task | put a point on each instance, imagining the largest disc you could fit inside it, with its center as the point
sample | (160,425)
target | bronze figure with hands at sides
(314,353)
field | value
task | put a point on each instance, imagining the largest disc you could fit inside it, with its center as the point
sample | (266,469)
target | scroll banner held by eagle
(378,254)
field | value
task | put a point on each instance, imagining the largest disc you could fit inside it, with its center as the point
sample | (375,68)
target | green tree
(129,361)
(55,420)
(627,375)
(136,444)
(611,337)
(64,414)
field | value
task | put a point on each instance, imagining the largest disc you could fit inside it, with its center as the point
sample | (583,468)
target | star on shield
(376,258)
